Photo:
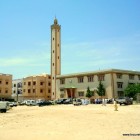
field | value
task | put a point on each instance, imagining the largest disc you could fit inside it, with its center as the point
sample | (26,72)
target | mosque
(75,85)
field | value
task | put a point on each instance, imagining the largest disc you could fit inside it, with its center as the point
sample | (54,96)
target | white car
(30,102)
(4,106)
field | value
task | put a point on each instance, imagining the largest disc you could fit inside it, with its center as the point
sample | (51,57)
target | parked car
(53,102)
(39,101)
(68,101)
(77,102)
(4,106)
(60,101)
(12,104)
(44,103)
(98,101)
(30,103)
(110,101)
(124,100)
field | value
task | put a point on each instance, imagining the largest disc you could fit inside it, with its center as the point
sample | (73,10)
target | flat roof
(98,72)
(43,74)
(6,74)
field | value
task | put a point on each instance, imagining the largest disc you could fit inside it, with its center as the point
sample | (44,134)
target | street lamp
(19,85)
(70,81)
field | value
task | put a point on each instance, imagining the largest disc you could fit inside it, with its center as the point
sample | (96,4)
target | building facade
(37,87)
(17,89)
(114,80)
(55,55)
(5,86)
(75,85)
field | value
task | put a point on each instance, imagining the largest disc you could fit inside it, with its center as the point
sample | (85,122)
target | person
(104,102)
(95,101)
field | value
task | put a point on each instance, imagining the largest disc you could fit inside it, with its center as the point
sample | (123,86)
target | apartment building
(17,89)
(37,87)
(5,86)
(114,80)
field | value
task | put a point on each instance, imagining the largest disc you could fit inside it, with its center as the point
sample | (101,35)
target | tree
(89,93)
(131,90)
(101,89)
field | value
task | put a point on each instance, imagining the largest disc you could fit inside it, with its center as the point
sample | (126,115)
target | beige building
(114,81)
(37,87)
(5,86)
(55,55)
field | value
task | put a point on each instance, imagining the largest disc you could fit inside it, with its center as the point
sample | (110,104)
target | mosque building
(75,85)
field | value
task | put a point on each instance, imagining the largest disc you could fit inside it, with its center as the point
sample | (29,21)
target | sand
(68,122)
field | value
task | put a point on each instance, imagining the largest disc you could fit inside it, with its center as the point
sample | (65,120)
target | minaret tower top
(55,21)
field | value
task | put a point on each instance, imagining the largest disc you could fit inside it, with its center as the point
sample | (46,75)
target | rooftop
(100,72)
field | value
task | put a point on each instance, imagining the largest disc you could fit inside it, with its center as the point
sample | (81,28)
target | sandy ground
(68,122)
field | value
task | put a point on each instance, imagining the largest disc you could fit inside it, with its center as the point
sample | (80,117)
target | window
(101,77)
(53,93)
(90,78)
(81,93)
(34,83)
(14,85)
(29,91)
(53,38)
(80,79)
(139,77)
(120,94)
(19,92)
(62,81)
(41,83)
(24,90)
(58,45)
(6,82)
(131,76)
(19,85)
(53,64)
(58,57)
(41,90)
(0,90)
(131,83)
(120,84)
(24,83)
(29,83)
(34,90)
(49,77)
(49,91)
(61,89)
(53,77)
(6,91)
(14,91)
(119,75)
(53,51)
(0,81)
(49,84)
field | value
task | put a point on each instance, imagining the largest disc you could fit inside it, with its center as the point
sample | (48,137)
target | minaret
(55,55)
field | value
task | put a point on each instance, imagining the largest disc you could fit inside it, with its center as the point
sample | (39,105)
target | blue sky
(95,34)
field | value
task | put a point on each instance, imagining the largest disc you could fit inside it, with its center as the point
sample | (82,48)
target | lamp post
(71,87)
(17,91)
(19,85)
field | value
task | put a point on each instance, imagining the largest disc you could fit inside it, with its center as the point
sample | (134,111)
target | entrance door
(71,92)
